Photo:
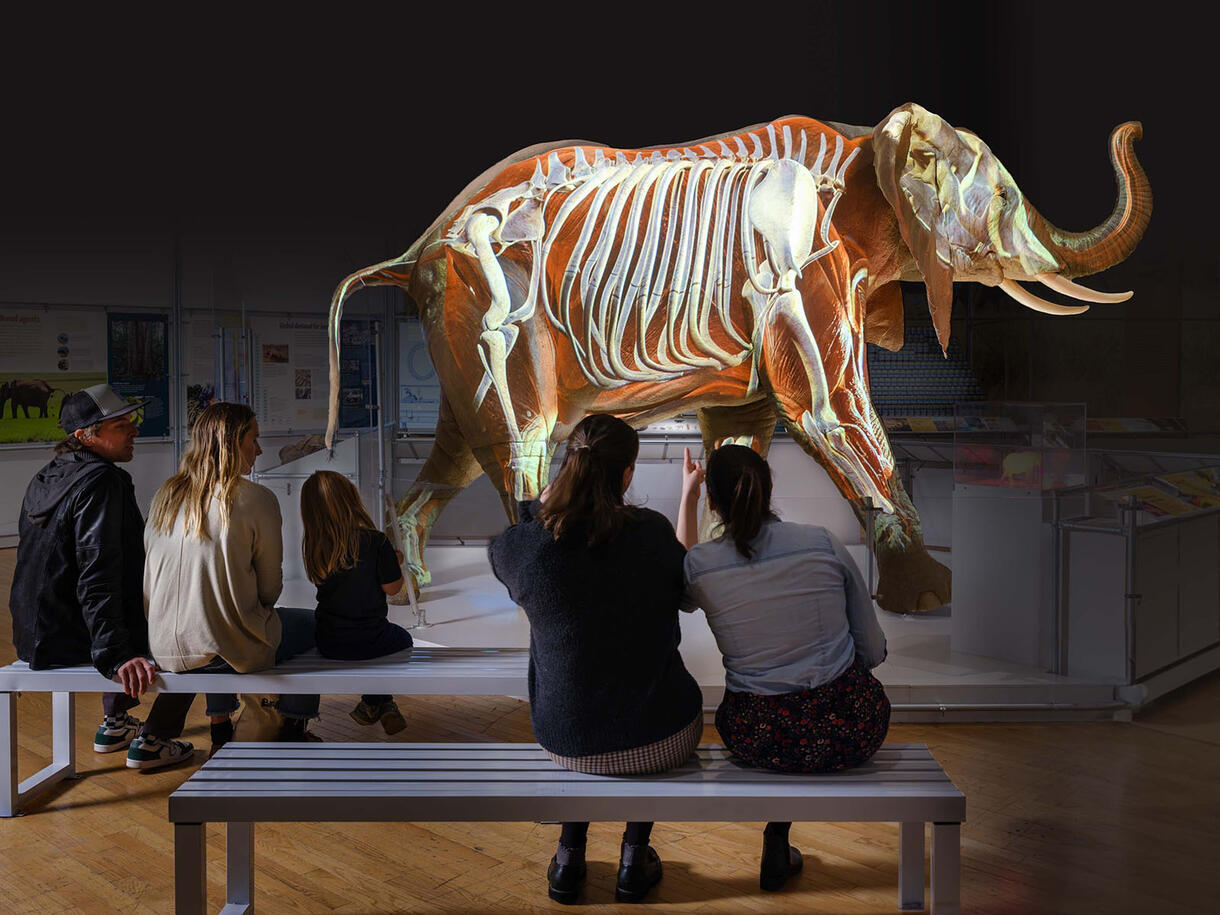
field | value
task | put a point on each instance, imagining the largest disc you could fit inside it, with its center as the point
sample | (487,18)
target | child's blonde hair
(333,517)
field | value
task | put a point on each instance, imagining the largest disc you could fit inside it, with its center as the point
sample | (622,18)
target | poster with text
(419,390)
(201,362)
(46,353)
(137,347)
(290,369)
(357,384)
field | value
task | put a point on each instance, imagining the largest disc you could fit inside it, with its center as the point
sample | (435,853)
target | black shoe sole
(770,883)
(563,897)
(634,896)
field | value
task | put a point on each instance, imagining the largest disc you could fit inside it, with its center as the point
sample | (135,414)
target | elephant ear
(908,159)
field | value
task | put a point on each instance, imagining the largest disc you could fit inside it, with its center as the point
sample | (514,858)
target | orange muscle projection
(738,276)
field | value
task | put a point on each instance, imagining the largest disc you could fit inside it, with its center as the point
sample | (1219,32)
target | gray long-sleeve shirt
(792,618)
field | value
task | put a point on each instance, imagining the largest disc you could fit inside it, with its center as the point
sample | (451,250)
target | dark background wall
(282,154)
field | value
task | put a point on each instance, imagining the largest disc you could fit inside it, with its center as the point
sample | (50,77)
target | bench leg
(190,869)
(910,865)
(8,749)
(239,869)
(63,731)
(946,868)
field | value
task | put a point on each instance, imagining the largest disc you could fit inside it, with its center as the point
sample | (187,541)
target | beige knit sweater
(216,598)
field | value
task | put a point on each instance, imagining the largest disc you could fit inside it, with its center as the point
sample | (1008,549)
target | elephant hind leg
(450,468)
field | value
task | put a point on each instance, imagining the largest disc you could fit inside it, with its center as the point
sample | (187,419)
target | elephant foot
(912,583)
(403,597)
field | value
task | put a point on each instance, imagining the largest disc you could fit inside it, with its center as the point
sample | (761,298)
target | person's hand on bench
(136,676)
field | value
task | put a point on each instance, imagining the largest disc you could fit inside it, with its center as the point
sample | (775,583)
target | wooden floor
(1061,818)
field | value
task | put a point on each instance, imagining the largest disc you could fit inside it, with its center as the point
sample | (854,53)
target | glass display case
(1028,446)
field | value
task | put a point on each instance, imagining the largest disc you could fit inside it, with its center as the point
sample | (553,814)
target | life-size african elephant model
(26,394)
(738,276)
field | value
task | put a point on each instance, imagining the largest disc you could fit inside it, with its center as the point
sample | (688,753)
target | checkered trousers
(668,753)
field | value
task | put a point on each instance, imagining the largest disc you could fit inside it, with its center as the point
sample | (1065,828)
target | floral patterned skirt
(834,726)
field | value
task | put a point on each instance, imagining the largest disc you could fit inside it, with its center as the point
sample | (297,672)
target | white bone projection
(659,237)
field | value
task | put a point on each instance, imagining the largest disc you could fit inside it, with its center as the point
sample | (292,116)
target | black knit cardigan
(605,673)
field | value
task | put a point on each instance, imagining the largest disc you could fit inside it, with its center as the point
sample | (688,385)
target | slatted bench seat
(248,783)
(418,671)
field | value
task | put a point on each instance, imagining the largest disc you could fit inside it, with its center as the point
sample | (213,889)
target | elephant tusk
(1083,293)
(1029,300)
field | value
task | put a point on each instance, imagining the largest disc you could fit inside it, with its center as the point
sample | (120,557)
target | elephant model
(738,276)
(26,394)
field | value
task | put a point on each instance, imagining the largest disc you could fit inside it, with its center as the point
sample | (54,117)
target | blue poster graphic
(137,364)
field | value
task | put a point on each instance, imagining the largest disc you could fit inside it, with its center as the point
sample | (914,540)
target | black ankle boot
(639,870)
(565,880)
(293,731)
(779,862)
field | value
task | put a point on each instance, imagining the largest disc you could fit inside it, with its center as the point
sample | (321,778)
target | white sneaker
(153,753)
(116,733)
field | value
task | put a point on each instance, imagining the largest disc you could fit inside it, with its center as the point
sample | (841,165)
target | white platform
(925,680)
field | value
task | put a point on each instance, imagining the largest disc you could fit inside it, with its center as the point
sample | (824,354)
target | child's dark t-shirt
(351,603)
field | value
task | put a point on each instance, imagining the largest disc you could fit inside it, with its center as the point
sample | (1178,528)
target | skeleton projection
(738,276)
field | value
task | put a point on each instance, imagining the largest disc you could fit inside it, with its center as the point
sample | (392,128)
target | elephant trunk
(1084,253)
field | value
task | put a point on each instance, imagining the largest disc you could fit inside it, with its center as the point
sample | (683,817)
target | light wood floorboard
(1062,818)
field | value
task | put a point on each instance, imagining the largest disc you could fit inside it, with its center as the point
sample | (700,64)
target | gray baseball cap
(93,405)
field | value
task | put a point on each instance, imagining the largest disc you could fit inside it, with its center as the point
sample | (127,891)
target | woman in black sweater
(600,583)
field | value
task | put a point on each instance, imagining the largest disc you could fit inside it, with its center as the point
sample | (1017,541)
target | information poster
(201,362)
(357,390)
(419,390)
(280,366)
(290,371)
(46,354)
(139,365)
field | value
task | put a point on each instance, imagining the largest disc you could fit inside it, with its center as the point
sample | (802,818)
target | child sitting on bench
(354,566)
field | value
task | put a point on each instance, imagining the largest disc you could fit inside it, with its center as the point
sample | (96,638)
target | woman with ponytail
(794,620)
(600,582)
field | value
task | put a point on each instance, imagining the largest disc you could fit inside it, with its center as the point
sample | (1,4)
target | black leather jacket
(78,589)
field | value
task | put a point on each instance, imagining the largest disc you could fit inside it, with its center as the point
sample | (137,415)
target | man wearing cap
(78,586)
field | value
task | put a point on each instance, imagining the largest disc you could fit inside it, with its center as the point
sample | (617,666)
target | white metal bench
(248,783)
(419,671)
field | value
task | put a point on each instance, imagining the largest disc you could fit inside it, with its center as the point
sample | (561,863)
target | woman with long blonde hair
(212,570)
(354,566)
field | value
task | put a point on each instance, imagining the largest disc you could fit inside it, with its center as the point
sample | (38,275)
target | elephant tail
(394,272)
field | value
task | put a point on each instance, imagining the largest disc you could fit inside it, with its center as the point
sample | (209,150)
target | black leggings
(575,835)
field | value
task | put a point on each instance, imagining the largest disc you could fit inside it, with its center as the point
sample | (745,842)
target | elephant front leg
(857,458)
(833,426)
(909,579)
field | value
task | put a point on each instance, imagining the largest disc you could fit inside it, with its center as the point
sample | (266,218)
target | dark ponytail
(739,489)
(586,497)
